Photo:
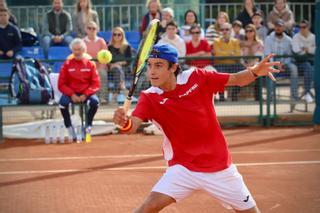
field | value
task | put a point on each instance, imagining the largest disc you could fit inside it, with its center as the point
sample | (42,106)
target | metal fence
(129,15)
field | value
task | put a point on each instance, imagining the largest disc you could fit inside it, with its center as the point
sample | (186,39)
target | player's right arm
(121,119)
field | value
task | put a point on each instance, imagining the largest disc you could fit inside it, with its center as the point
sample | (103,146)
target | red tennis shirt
(186,115)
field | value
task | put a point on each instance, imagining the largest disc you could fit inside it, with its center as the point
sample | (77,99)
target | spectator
(281,11)
(10,37)
(94,45)
(190,18)
(197,47)
(252,46)
(154,12)
(121,52)
(57,27)
(237,30)
(172,38)
(227,46)
(213,31)
(281,44)
(304,43)
(12,18)
(78,82)
(257,20)
(83,14)
(248,10)
(167,16)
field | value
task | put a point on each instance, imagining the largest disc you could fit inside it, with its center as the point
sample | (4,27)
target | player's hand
(82,98)
(10,53)
(75,98)
(120,117)
(266,68)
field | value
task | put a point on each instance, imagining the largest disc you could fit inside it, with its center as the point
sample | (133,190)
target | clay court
(114,173)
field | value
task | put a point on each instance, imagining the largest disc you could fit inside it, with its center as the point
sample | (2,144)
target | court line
(146,155)
(150,168)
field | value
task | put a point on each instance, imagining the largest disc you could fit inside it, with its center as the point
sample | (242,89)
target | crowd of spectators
(252,33)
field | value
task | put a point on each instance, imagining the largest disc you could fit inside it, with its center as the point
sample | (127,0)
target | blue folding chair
(58,53)
(133,37)
(32,52)
(106,35)
(5,72)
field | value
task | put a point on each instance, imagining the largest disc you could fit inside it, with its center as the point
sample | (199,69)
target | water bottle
(61,137)
(47,134)
(79,134)
(54,133)
(88,135)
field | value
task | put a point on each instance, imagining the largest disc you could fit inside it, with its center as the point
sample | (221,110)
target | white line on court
(147,155)
(148,168)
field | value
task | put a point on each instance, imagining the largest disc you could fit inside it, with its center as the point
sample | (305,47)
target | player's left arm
(263,68)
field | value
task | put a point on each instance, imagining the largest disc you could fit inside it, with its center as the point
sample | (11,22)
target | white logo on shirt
(163,101)
(71,69)
(85,70)
(189,90)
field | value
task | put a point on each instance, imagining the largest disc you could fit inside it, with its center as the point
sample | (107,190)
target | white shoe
(308,98)
(152,130)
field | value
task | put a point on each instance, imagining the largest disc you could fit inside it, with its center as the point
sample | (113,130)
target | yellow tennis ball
(104,56)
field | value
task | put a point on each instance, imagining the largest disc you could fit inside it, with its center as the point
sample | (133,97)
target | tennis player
(181,105)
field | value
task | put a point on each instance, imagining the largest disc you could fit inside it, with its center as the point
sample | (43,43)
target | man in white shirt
(304,44)
(171,37)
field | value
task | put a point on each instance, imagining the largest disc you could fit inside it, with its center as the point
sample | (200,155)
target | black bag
(28,38)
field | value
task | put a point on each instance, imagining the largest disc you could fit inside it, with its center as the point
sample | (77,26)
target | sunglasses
(225,29)
(195,33)
(117,34)
(249,31)
(91,28)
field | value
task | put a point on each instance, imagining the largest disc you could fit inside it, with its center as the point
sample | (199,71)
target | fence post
(316,115)
(1,126)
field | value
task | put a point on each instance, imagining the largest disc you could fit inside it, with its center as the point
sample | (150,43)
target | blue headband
(164,51)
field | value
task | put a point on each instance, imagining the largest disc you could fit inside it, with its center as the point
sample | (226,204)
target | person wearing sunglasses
(304,44)
(227,46)
(94,44)
(121,53)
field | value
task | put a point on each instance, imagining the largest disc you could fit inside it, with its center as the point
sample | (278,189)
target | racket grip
(127,104)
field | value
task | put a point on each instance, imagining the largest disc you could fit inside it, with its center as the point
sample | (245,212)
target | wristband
(127,126)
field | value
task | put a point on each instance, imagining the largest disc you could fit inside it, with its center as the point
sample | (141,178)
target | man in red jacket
(78,82)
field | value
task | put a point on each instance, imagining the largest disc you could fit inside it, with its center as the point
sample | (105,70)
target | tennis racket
(145,48)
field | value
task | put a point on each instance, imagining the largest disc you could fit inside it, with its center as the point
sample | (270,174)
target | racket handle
(127,104)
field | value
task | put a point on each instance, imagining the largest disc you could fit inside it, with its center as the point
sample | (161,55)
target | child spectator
(248,10)
(213,31)
(167,16)
(154,12)
(237,30)
(171,37)
(121,53)
(281,11)
(257,21)
(190,18)
(94,45)
(82,15)
(10,37)
(197,47)
(57,27)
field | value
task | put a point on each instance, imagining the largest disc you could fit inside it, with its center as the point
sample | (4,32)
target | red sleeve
(63,80)
(143,107)
(95,81)
(215,81)
(143,24)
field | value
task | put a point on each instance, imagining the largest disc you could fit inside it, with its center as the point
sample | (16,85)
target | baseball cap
(257,13)
(164,51)
(279,22)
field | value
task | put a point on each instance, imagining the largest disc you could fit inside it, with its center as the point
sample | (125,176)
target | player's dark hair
(178,70)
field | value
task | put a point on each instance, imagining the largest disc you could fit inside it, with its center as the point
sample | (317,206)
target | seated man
(10,37)
(57,27)
(78,82)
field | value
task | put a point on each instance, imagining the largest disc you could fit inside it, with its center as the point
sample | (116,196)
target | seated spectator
(197,47)
(257,21)
(78,82)
(248,10)
(281,11)
(154,12)
(83,14)
(227,46)
(304,43)
(252,46)
(167,16)
(57,27)
(237,30)
(121,51)
(279,43)
(94,45)
(10,37)
(171,37)
(12,18)
(190,18)
(213,31)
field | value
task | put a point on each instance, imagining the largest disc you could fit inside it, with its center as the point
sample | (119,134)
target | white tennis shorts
(227,186)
